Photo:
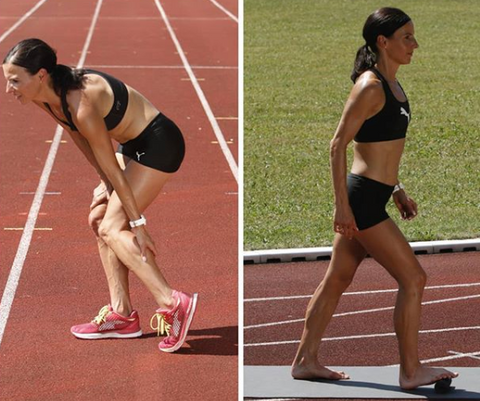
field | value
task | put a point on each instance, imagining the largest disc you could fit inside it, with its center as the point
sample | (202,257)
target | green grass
(298,59)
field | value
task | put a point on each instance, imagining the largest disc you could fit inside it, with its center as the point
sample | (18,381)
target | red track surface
(294,279)
(302,278)
(194,223)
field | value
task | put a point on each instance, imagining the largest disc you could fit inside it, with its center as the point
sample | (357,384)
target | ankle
(122,309)
(408,371)
(167,302)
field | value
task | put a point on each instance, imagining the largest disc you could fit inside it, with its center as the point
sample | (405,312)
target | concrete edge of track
(367,382)
(324,253)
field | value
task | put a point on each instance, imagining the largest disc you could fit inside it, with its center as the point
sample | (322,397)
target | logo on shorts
(118,104)
(139,155)
(403,112)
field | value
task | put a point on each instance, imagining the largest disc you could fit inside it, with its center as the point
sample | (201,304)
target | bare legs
(388,246)
(117,244)
(347,255)
(115,271)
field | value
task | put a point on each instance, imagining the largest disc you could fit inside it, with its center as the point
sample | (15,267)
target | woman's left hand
(144,241)
(406,205)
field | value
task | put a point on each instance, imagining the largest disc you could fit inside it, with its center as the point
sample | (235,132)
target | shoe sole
(189,322)
(99,336)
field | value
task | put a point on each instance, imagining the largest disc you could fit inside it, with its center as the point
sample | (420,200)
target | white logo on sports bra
(403,112)
(140,155)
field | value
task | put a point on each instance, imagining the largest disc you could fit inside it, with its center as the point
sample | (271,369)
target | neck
(48,95)
(387,69)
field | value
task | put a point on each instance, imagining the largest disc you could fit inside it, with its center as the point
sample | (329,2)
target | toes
(339,375)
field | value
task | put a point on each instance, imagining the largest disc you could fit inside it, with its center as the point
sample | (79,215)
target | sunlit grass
(298,59)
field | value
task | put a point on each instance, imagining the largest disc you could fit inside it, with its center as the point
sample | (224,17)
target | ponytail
(65,78)
(364,60)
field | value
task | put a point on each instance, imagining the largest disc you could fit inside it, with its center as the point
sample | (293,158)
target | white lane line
(16,269)
(173,67)
(206,106)
(65,18)
(46,193)
(81,62)
(458,355)
(23,247)
(22,20)
(437,301)
(225,11)
(433,287)
(364,336)
(472,355)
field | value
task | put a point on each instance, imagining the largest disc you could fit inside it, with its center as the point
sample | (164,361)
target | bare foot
(424,376)
(308,371)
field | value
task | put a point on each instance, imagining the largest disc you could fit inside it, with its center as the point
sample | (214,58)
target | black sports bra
(116,113)
(388,124)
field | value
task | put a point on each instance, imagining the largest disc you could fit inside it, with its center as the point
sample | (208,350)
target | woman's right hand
(344,222)
(101,194)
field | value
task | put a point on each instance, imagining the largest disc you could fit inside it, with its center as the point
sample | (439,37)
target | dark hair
(34,54)
(385,21)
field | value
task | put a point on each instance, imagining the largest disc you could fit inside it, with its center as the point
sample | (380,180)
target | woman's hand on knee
(101,194)
(145,243)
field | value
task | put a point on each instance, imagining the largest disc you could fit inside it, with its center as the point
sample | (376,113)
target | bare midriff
(378,161)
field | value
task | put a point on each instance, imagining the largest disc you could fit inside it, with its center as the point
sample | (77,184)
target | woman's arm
(91,125)
(82,144)
(86,149)
(365,100)
(94,132)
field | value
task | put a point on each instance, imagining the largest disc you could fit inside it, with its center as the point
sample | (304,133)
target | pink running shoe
(175,322)
(109,324)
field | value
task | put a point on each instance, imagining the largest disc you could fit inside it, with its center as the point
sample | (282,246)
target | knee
(95,219)
(415,282)
(106,231)
(337,283)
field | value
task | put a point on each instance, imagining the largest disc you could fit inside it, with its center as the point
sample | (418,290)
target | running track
(276,296)
(194,222)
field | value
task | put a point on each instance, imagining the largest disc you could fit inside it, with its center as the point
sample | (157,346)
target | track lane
(302,278)
(24,140)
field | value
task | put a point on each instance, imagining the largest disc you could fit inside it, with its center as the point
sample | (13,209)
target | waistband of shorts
(372,182)
(145,131)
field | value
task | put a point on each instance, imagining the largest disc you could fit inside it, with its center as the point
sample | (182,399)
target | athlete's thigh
(145,183)
(388,246)
(346,257)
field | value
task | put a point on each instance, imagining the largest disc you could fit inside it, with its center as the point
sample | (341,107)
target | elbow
(336,146)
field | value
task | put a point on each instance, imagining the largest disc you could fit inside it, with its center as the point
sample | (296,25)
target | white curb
(324,253)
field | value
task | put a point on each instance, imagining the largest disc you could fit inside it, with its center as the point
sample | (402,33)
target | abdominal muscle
(378,161)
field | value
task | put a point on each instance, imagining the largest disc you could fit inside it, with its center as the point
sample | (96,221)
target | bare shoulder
(369,86)
(367,95)
(90,98)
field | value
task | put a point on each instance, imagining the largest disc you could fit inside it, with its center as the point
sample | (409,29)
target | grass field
(298,59)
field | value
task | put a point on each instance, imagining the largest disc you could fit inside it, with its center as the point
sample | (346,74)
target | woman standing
(94,108)
(376,117)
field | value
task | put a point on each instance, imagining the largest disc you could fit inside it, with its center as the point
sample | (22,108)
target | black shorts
(368,199)
(160,146)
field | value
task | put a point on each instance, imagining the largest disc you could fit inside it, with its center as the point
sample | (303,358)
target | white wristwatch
(142,221)
(398,187)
